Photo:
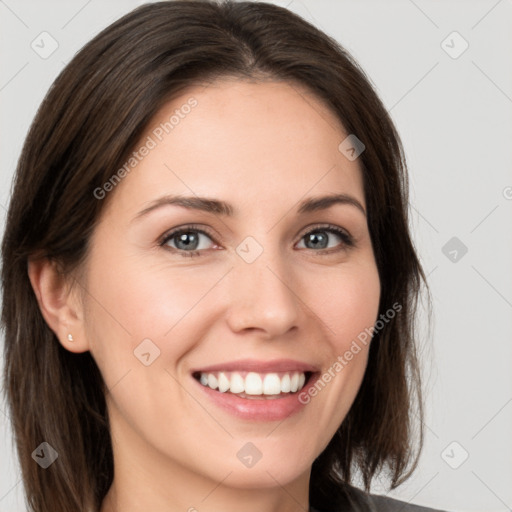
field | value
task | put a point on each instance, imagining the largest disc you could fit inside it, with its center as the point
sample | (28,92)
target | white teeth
(294,384)
(237,383)
(212,381)
(272,384)
(254,383)
(285,384)
(223,382)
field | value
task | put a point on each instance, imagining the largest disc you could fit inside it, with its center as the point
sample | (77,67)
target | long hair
(93,115)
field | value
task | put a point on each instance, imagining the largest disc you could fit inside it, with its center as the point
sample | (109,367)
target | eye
(189,241)
(192,241)
(326,237)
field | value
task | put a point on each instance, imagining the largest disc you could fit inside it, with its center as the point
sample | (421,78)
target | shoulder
(361,501)
(386,504)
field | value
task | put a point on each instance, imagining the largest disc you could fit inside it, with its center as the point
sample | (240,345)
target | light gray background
(454,116)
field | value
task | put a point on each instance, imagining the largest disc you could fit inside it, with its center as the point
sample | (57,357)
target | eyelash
(347,240)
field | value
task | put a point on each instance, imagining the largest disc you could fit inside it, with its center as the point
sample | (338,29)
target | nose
(262,297)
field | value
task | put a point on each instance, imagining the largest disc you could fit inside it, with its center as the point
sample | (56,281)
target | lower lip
(259,409)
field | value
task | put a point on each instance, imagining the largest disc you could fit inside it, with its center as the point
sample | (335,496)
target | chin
(265,476)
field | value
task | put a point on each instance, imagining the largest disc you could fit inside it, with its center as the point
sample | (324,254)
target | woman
(209,283)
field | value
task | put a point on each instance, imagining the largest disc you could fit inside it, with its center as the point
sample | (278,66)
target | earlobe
(59,303)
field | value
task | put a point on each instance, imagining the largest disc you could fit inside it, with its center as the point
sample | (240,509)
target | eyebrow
(223,208)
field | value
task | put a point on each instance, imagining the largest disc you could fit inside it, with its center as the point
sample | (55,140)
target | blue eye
(191,241)
(321,238)
(187,241)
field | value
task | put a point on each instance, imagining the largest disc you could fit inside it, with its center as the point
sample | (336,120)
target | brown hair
(93,115)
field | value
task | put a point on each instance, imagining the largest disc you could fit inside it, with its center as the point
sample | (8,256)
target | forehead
(246,142)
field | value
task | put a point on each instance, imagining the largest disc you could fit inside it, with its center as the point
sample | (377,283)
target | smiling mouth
(254,385)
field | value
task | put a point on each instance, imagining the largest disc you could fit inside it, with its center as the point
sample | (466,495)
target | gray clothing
(361,501)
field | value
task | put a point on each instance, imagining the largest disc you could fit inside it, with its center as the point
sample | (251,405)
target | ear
(59,302)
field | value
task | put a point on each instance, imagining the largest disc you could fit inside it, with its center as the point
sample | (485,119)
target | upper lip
(259,366)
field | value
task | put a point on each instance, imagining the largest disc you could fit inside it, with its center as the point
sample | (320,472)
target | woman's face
(244,298)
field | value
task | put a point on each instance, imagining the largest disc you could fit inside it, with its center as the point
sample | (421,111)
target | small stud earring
(70,337)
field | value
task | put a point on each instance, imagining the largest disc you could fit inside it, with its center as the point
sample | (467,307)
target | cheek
(131,301)
(350,302)
(348,308)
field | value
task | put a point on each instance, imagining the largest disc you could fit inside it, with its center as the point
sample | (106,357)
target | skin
(263,147)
